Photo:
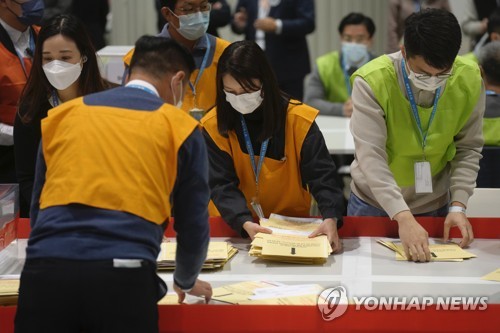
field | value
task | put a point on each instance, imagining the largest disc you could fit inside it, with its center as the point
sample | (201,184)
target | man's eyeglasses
(189,9)
(424,77)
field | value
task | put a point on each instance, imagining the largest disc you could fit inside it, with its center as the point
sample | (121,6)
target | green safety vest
(332,77)
(471,56)
(491,131)
(404,143)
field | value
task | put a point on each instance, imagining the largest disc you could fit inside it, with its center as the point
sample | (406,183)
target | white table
(337,135)
(365,268)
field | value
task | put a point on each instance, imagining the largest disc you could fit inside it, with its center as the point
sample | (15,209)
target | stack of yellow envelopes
(439,252)
(219,253)
(9,291)
(289,241)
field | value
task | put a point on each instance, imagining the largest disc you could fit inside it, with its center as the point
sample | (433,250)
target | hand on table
(459,220)
(414,238)
(200,289)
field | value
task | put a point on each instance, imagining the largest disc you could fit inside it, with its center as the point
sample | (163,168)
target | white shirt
(144,84)
(264,9)
(20,39)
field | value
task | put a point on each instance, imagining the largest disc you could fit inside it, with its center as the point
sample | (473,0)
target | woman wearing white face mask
(290,160)
(64,67)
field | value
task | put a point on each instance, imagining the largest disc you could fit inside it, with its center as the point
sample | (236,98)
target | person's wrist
(184,289)
(403,217)
(457,209)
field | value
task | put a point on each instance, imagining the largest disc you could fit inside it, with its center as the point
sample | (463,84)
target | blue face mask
(32,12)
(355,54)
(193,26)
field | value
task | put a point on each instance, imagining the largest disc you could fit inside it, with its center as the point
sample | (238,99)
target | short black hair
(494,21)
(158,56)
(245,61)
(168,3)
(356,19)
(489,59)
(435,35)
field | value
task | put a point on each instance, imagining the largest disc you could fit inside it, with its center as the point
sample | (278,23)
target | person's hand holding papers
(200,289)
(329,228)
(253,229)
(459,219)
(414,238)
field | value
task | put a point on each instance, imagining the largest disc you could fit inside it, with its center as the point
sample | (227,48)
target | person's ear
(166,13)
(369,43)
(403,51)
(179,77)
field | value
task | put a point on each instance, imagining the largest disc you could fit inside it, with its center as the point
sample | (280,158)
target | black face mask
(32,12)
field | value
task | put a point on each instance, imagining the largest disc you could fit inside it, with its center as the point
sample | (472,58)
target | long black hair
(38,87)
(245,61)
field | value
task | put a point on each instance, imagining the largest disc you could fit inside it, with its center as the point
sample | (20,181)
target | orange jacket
(12,77)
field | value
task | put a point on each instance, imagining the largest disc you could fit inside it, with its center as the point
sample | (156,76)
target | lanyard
(55,98)
(31,47)
(263,149)
(417,5)
(202,67)
(346,76)
(138,86)
(414,106)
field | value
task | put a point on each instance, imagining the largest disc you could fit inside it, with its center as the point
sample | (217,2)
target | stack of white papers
(264,292)
(219,253)
(289,241)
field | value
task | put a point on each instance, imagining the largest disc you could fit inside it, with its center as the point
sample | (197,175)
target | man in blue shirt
(110,169)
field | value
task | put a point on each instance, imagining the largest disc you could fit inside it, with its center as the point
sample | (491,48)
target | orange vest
(12,82)
(280,182)
(206,90)
(112,158)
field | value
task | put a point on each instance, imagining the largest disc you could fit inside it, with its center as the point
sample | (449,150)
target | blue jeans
(357,207)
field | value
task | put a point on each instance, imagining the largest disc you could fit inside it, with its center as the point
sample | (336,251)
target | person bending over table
(266,148)
(417,132)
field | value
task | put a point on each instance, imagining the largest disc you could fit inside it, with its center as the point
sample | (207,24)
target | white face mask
(429,83)
(177,102)
(62,74)
(355,54)
(245,103)
(193,26)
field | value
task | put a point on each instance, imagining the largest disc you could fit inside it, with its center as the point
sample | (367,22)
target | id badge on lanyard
(423,177)
(422,168)
(196,112)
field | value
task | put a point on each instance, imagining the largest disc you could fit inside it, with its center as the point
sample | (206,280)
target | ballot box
(110,59)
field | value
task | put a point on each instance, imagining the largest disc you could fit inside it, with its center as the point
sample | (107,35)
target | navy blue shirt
(81,232)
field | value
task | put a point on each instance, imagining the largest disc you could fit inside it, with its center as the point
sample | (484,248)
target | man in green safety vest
(417,128)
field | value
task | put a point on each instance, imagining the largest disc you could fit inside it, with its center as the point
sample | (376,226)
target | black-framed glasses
(424,77)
